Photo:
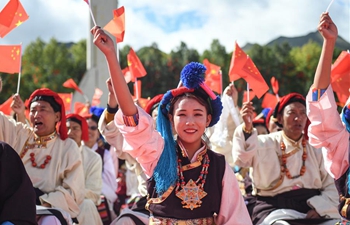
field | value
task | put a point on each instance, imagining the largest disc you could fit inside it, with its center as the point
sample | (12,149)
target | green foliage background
(50,64)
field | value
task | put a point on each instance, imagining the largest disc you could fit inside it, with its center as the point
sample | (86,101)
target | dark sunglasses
(93,128)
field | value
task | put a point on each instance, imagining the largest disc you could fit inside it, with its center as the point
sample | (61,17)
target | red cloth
(213,78)
(243,67)
(84,125)
(156,99)
(7,14)
(117,25)
(275,85)
(5,107)
(340,74)
(10,58)
(135,66)
(47,92)
(67,100)
(19,17)
(70,83)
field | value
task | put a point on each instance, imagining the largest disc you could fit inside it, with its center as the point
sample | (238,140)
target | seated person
(52,161)
(17,196)
(286,171)
(92,165)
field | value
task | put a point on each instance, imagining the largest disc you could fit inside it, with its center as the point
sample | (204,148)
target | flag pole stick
(71,103)
(136,89)
(20,66)
(92,15)
(329,5)
(248,99)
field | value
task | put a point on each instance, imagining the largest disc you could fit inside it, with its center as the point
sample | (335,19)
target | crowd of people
(189,157)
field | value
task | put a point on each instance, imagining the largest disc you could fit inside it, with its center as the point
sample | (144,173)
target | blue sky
(195,22)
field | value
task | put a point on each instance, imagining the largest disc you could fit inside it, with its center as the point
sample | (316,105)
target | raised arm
(329,32)
(121,90)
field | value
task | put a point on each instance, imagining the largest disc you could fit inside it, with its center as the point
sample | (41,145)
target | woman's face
(93,132)
(189,121)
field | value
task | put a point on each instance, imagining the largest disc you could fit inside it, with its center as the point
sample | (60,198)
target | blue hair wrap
(192,78)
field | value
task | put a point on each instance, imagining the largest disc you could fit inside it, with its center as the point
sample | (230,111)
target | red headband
(83,124)
(47,92)
(156,99)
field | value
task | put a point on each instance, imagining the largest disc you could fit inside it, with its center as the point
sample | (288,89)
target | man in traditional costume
(92,165)
(328,129)
(52,161)
(287,172)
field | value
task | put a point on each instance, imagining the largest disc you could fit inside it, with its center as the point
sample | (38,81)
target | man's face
(293,120)
(43,118)
(74,131)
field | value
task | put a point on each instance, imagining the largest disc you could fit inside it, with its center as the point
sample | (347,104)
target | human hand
(312,214)
(103,41)
(231,91)
(17,105)
(247,113)
(112,101)
(327,28)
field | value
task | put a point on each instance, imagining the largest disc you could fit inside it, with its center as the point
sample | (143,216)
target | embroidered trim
(204,221)
(109,117)
(131,121)
(317,93)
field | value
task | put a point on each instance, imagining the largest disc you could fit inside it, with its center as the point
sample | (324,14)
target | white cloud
(254,21)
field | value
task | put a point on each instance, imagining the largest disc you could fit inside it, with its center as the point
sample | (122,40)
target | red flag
(275,85)
(71,84)
(96,98)
(81,108)
(137,89)
(10,58)
(67,100)
(19,17)
(251,96)
(340,74)
(127,75)
(135,66)
(238,60)
(143,102)
(269,101)
(5,107)
(213,76)
(87,2)
(342,99)
(117,25)
(7,14)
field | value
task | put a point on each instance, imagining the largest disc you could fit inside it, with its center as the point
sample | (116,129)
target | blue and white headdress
(192,78)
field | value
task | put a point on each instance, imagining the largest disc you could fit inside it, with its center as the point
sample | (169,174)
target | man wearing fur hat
(52,161)
(287,172)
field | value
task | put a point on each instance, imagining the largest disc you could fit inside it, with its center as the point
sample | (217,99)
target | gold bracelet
(247,131)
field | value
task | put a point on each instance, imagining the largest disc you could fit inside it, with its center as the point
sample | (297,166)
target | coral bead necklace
(284,168)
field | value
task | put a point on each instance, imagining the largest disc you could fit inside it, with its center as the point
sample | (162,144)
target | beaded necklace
(40,142)
(192,192)
(284,168)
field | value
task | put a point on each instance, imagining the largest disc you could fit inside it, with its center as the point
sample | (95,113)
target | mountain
(302,40)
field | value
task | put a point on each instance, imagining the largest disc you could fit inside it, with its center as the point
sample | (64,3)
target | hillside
(300,41)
